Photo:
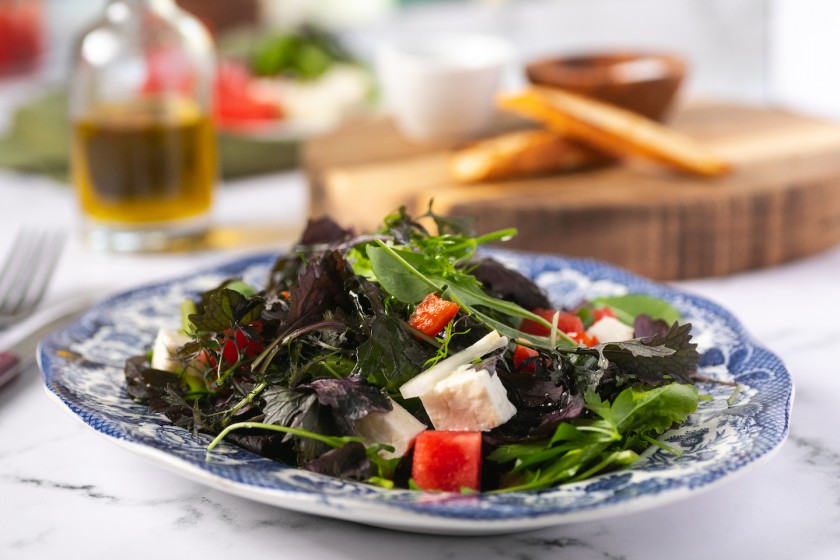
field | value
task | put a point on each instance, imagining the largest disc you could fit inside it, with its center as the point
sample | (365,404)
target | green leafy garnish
(630,306)
(298,370)
(305,53)
(384,356)
(583,449)
(409,276)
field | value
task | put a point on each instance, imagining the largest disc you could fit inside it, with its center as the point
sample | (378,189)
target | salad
(302,77)
(405,359)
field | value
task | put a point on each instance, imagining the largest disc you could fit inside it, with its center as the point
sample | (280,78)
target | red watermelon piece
(447,460)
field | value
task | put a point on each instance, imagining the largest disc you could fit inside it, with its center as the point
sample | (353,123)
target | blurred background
(281,84)
(769,51)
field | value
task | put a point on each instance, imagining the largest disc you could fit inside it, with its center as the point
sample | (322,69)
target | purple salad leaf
(644,326)
(322,231)
(541,405)
(505,283)
(299,409)
(350,399)
(349,461)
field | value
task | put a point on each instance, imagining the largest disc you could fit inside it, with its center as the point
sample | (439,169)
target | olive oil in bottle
(132,165)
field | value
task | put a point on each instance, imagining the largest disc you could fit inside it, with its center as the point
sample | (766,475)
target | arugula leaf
(628,307)
(397,279)
(586,316)
(305,52)
(242,287)
(452,225)
(583,449)
(402,227)
(410,276)
(641,412)
(385,468)
(327,364)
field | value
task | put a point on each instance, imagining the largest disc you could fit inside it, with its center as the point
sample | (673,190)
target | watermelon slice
(447,461)
(522,353)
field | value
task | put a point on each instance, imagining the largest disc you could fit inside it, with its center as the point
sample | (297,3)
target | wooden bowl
(646,83)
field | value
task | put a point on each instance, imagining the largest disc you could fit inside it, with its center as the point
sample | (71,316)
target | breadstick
(613,130)
(524,153)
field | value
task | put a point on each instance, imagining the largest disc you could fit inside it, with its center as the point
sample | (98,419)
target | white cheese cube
(397,428)
(166,345)
(468,400)
(426,381)
(610,329)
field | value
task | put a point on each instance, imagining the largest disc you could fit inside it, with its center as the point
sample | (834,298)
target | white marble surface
(66,491)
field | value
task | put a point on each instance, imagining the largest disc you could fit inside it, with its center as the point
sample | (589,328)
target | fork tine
(51,251)
(11,266)
(27,271)
(18,267)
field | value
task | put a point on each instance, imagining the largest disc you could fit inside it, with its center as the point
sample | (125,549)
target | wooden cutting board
(782,201)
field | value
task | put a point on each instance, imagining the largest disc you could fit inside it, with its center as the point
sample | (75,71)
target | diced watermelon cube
(566,322)
(599,314)
(447,461)
(520,355)
(432,314)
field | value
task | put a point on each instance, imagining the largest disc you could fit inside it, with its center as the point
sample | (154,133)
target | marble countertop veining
(67,492)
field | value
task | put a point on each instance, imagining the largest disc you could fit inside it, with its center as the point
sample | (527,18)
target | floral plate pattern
(83,370)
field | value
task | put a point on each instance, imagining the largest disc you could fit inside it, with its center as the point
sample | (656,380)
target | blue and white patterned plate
(83,370)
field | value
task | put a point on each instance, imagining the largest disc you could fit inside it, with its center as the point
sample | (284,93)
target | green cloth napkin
(38,141)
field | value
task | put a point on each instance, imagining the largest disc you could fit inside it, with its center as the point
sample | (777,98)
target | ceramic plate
(83,371)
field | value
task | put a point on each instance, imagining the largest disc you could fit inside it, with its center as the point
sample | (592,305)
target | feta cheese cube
(166,345)
(426,381)
(397,428)
(468,400)
(610,329)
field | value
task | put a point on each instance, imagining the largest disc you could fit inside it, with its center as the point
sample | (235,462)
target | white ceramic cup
(441,87)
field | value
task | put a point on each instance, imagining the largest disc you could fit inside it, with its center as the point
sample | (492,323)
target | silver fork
(26,273)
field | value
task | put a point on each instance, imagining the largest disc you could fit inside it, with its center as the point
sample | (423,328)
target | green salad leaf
(384,357)
(584,448)
(630,306)
(409,276)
